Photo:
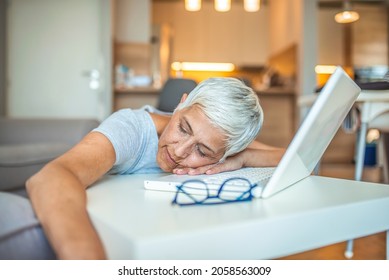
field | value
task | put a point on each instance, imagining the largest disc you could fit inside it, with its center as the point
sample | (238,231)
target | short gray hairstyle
(231,106)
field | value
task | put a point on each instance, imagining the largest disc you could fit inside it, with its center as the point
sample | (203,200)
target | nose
(183,148)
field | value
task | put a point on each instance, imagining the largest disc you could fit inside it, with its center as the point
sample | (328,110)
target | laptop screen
(316,132)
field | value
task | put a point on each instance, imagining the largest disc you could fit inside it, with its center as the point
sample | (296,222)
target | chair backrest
(172,92)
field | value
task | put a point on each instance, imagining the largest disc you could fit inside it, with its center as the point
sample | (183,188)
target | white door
(59,58)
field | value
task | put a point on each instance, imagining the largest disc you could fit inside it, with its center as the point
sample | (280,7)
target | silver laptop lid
(315,133)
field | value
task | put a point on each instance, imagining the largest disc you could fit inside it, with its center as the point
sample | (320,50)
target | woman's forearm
(262,157)
(59,200)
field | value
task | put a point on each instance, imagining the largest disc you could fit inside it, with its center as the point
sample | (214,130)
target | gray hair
(231,106)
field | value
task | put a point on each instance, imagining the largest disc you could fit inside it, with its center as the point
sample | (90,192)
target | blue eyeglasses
(198,192)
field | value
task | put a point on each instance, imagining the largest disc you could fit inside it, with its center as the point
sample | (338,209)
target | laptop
(303,153)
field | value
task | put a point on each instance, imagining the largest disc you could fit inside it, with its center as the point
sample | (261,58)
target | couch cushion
(21,236)
(20,161)
(26,131)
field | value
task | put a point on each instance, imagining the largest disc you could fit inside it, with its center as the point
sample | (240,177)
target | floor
(372,247)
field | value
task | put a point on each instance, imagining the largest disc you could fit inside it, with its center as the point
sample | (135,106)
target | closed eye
(185,128)
(182,129)
(200,152)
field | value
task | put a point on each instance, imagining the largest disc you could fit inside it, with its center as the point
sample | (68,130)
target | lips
(170,161)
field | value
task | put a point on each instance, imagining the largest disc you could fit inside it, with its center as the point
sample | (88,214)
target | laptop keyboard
(252,174)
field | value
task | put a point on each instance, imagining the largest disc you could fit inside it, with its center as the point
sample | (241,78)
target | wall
(307,18)
(132,21)
(370,36)
(49,61)
(293,26)
(363,43)
(2,57)
(330,41)
(207,35)
(283,24)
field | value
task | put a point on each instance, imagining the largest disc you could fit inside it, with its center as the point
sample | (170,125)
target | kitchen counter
(280,115)
(136,90)
(276,91)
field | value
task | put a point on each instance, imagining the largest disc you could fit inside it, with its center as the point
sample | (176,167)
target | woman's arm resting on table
(58,196)
(256,155)
(261,155)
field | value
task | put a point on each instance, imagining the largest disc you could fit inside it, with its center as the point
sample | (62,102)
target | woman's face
(190,140)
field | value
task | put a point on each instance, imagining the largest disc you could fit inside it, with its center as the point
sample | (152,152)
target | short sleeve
(133,136)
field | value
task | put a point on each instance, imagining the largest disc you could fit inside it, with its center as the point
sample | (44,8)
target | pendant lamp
(347,15)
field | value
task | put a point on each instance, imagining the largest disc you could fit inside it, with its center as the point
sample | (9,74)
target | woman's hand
(231,163)
(257,155)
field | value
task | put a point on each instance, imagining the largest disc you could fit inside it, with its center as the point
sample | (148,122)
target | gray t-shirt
(134,138)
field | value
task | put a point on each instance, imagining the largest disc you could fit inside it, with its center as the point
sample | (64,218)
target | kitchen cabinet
(281,122)
(367,41)
(209,36)
(135,97)
(279,105)
(132,21)
(280,116)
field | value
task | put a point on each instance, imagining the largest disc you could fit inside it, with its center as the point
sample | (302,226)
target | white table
(137,224)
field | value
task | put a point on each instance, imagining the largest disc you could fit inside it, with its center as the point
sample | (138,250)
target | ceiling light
(193,5)
(348,15)
(251,5)
(222,5)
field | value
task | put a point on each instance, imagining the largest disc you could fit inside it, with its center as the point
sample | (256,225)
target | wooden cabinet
(280,117)
(210,36)
(278,105)
(366,43)
(136,97)
(282,121)
(132,21)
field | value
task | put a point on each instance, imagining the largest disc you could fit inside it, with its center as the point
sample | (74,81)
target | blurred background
(87,58)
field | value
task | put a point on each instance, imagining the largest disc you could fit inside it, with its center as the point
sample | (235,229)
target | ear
(183,98)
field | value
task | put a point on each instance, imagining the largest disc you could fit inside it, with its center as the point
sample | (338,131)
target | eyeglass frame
(241,198)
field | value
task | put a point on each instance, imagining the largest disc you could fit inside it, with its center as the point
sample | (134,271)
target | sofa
(26,145)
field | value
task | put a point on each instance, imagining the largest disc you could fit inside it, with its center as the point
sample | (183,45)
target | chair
(374,107)
(384,147)
(172,92)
